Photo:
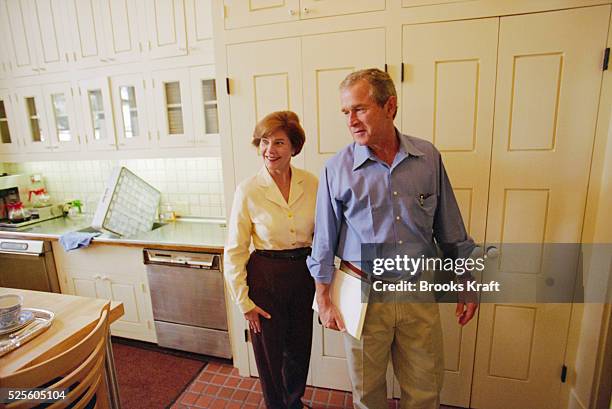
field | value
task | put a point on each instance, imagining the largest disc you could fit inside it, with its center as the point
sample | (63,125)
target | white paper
(345,294)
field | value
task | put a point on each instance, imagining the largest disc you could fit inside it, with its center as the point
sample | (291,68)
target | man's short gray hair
(381,83)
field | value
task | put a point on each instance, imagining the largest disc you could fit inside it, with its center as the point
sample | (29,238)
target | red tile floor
(219,386)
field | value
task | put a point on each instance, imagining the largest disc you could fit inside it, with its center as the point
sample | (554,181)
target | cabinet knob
(97,277)
(105,278)
(292,12)
(306,10)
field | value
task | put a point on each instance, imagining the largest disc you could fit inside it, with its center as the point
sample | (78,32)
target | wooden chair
(79,370)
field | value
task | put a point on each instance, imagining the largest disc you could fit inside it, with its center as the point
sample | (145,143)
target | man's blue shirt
(361,199)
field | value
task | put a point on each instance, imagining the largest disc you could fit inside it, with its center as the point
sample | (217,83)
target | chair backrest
(79,370)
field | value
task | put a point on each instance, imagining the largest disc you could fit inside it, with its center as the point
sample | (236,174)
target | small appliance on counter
(13,213)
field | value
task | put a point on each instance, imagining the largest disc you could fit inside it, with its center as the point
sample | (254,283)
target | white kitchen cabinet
(4,53)
(198,15)
(130,109)
(413,3)
(173,108)
(344,53)
(166,29)
(97,114)
(261,83)
(117,274)
(61,117)
(205,106)
(325,8)
(104,32)
(33,119)
(37,42)
(9,131)
(239,13)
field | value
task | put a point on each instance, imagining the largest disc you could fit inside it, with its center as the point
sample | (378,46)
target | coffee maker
(11,204)
(9,194)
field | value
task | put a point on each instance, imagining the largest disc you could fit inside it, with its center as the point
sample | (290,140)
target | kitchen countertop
(192,234)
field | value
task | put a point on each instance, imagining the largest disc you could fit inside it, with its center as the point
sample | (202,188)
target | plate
(25,317)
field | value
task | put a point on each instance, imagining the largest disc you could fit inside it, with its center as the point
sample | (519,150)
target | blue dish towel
(76,240)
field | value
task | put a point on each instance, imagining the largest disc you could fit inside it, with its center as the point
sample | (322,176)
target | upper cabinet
(173,107)
(61,117)
(130,111)
(240,13)
(9,141)
(103,32)
(30,102)
(97,114)
(36,42)
(205,108)
(167,35)
(413,3)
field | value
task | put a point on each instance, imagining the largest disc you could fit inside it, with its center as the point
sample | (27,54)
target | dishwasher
(28,265)
(187,293)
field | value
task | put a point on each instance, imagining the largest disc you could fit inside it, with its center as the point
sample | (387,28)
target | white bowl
(10,308)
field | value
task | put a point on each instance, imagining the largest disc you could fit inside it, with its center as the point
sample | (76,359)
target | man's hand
(465,312)
(252,316)
(328,313)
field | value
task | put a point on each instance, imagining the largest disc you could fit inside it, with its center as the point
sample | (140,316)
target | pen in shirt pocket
(422,197)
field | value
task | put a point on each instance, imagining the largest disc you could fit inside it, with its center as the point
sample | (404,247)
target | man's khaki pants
(412,334)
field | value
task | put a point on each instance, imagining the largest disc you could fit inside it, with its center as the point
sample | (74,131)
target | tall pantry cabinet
(507,91)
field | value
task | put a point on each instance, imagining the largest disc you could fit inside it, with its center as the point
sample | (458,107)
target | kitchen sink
(106,235)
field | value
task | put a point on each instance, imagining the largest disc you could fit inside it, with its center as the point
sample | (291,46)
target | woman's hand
(252,316)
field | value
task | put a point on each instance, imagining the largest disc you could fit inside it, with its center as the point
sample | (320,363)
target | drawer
(193,339)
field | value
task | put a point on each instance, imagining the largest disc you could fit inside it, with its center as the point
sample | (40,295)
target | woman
(272,286)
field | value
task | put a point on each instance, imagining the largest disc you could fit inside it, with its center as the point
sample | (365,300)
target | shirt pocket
(423,210)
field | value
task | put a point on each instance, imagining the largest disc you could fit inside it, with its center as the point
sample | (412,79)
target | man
(386,187)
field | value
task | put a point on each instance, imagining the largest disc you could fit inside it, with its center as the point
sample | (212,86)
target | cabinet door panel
(97,114)
(9,131)
(261,83)
(121,23)
(61,114)
(86,29)
(130,105)
(240,13)
(325,8)
(199,27)
(342,53)
(205,110)
(47,23)
(546,102)
(327,132)
(34,119)
(447,98)
(20,37)
(167,31)
(173,107)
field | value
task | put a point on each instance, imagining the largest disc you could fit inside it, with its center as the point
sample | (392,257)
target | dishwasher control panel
(182,258)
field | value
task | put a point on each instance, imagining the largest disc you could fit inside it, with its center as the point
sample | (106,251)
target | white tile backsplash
(194,187)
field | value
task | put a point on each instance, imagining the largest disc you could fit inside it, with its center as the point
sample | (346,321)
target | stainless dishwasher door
(186,295)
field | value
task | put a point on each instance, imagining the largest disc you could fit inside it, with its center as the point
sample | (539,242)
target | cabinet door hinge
(563,373)
(227,85)
(144,288)
(246,335)
(402,73)
(386,68)
(224,11)
(606,59)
